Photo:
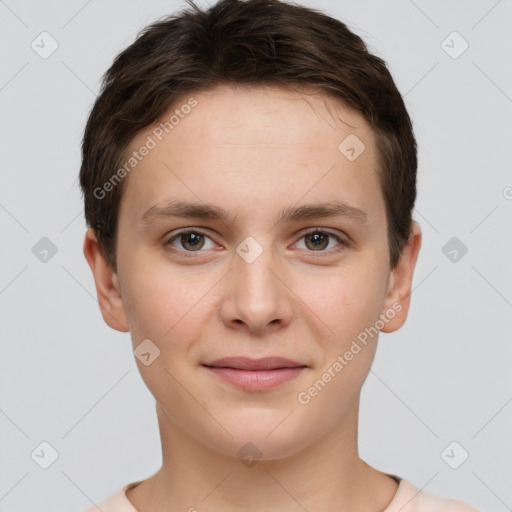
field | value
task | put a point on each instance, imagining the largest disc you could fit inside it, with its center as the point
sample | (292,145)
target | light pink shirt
(406,499)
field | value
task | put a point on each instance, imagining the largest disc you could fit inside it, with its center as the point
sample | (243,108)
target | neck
(326,475)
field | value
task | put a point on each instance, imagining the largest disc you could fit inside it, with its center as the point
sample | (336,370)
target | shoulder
(430,503)
(118,502)
(410,499)
(427,502)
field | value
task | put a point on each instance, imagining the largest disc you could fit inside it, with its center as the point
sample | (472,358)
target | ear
(107,285)
(398,296)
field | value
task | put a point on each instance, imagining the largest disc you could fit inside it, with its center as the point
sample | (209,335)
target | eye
(191,241)
(318,240)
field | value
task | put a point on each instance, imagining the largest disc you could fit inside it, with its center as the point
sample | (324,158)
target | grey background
(68,379)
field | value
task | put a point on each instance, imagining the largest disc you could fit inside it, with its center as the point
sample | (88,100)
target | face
(248,231)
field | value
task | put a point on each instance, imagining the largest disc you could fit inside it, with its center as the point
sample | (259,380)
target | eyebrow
(183,209)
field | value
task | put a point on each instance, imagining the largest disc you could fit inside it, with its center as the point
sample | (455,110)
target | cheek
(346,301)
(161,302)
(349,305)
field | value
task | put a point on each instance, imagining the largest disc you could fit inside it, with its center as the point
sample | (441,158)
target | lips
(246,363)
(255,375)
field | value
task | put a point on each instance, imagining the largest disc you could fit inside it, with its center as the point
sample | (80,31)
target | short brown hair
(260,42)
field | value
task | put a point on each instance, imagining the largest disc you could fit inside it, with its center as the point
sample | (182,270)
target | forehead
(261,111)
(265,144)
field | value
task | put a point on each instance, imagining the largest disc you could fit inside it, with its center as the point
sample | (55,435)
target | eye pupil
(318,240)
(192,239)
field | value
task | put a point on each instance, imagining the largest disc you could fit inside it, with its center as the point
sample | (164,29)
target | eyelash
(310,231)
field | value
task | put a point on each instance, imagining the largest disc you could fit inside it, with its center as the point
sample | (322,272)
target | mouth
(246,363)
(255,374)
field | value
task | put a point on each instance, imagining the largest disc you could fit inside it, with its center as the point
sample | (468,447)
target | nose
(256,298)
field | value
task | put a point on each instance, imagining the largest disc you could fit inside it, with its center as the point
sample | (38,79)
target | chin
(264,441)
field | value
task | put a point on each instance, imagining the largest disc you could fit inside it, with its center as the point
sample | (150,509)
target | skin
(254,151)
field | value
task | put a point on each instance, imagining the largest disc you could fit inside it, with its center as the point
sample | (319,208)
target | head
(271,134)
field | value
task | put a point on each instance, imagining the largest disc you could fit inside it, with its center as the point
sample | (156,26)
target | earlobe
(398,297)
(107,285)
